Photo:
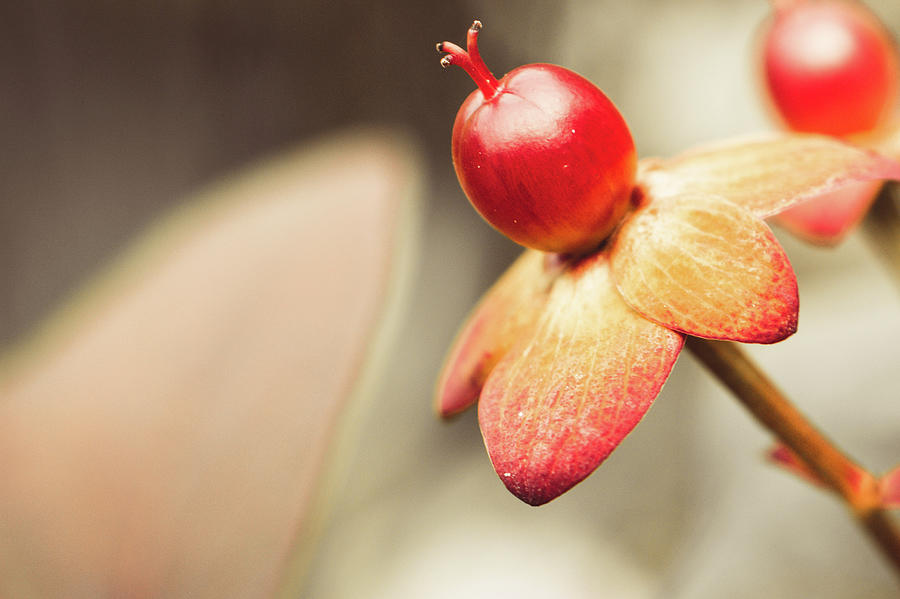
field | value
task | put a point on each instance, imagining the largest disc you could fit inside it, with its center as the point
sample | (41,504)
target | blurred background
(114,112)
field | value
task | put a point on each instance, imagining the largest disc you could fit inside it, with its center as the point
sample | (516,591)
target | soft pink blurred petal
(505,313)
(706,267)
(566,395)
(164,437)
(827,219)
(766,174)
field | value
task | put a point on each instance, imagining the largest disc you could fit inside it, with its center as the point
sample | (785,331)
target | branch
(882,226)
(858,488)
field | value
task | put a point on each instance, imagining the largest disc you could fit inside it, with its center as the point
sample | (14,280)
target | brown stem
(882,224)
(772,409)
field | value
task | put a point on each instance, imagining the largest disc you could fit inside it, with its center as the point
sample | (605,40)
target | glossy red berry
(830,66)
(542,154)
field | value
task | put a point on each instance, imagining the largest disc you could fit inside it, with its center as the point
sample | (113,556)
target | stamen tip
(446,61)
(439,46)
(476,25)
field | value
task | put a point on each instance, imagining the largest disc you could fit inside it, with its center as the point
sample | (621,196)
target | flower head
(567,351)
(564,355)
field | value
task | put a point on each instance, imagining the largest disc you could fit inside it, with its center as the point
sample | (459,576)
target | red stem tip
(470,60)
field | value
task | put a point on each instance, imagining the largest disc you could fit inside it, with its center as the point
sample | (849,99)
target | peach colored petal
(506,311)
(704,266)
(566,395)
(766,174)
(827,219)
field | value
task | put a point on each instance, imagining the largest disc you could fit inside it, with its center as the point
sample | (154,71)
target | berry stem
(470,61)
(475,55)
(854,484)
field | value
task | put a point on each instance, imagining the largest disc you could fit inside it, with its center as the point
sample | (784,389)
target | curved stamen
(459,57)
(475,56)
(478,71)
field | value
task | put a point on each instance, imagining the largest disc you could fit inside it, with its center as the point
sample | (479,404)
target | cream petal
(704,266)
(766,174)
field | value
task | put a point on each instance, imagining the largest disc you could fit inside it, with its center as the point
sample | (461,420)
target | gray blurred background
(113,111)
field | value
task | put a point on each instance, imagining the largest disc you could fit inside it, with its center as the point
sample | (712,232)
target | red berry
(830,66)
(542,154)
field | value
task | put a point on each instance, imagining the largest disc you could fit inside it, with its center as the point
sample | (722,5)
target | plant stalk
(853,483)
(882,225)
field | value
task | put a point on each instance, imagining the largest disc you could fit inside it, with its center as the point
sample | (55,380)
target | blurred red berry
(830,66)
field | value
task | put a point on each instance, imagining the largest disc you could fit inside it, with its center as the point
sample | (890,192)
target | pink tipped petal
(890,489)
(706,267)
(791,462)
(507,310)
(767,175)
(827,219)
(564,397)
